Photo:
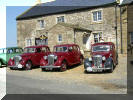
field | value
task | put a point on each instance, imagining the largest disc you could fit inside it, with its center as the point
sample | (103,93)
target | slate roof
(60,6)
(127,2)
(77,27)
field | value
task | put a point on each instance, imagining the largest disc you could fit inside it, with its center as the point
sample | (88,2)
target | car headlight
(90,59)
(45,57)
(55,57)
(103,58)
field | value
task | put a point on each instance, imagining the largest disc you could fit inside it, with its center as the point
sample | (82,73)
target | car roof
(67,45)
(103,43)
(37,46)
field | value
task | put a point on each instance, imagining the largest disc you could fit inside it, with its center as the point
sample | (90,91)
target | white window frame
(59,17)
(100,34)
(58,38)
(28,42)
(40,24)
(131,37)
(97,19)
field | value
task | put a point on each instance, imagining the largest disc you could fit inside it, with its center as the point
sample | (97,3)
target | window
(17,50)
(131,37)
(41,23)
(97,16)
(60,19)
(97,37)
(59,38)
(28,42)
(10,50)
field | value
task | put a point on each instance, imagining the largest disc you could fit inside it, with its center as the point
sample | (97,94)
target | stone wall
(28,28)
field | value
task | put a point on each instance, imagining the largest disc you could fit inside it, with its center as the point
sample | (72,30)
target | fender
(59,60)
(87,63)
(3,62)
(109,62)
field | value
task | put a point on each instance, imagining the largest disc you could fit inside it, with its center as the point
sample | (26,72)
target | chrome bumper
(91,69)
(50,67)
(19,66)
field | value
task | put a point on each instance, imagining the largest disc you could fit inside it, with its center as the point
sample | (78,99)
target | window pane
(59,37)
(99,15)
(132,37)
(95,16)
(60,19)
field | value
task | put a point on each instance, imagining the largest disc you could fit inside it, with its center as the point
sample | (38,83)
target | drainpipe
(121,31)
(116,28)
(74,36)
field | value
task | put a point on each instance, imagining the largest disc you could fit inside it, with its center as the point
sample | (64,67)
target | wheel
(0,64)
(28,65)
(11,68)
(81,60)
(112,68)
(43,69)
(63,66)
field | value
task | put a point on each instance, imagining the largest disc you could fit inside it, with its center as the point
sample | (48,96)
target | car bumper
(91,69)
(49,67)
(19,66)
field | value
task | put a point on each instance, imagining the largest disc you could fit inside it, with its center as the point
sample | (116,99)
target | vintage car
(103,57)
(31,57)
(62,57)
(7,53)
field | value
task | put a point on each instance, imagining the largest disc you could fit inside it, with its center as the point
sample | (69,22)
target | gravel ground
(116,81)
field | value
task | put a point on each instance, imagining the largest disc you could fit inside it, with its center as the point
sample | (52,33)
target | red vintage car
(31,57)
(103,57)
(62,57)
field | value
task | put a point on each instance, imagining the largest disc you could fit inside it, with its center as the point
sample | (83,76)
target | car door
(71,56)
(37,56)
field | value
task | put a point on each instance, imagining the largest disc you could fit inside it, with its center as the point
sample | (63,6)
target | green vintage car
(7,53)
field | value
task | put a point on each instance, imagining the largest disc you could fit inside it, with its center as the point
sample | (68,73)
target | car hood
(26,54)
(106,54)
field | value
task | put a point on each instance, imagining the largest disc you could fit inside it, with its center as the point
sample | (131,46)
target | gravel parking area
(116,81)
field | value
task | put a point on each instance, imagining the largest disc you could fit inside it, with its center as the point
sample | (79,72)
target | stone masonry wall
(29,29)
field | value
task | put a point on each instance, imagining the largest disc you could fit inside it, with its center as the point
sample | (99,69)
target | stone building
(82,22)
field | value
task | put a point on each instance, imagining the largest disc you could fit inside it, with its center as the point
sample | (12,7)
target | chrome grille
(97,61)
(16,60)
(50,59)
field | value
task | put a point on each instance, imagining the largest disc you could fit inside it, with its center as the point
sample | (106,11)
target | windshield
(60,49)
(101,48)
(29,50)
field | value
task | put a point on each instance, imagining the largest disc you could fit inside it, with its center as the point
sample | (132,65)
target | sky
(9,10)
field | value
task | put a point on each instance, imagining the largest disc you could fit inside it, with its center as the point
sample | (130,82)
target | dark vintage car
(31,57)
(103,57)
(62,57)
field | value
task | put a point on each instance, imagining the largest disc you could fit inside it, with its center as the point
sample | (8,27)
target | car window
(10,51)
(18,50)
(60,49)
(48,50)
(1,50)
(38,50)
(44,49)
(70,48)
(4,50)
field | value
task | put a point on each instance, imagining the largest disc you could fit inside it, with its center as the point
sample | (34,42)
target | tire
(11,68)
(43,69)
(81,60)
(63,66)
(28,65)
(112,68)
